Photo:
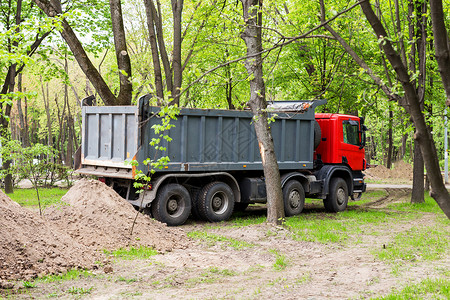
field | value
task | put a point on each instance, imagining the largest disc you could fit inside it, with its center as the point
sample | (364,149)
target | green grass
(246,220)
(127,280)
(133,253)
(336,228)
(429,206)
(417,244)
(73,274)
(281,261)
(79,291)
(213,239)
(213,274)
(28,197)
(426,289)
(28,284)
(344,227)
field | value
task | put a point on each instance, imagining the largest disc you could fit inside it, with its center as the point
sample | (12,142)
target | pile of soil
(93,218)
(99,218)
(401,170)
(30,246)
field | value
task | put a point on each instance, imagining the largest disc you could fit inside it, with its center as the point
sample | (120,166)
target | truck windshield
(351,132)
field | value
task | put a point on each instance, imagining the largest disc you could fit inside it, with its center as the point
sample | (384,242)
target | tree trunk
(53,9)
(22,127)
(4,119)
(422,135)
(390,139)
(177,9)
(441,44)
(257,102)
(162,49)
(123,58)
(150,11)
(45,97)
(418,44)
(417,194)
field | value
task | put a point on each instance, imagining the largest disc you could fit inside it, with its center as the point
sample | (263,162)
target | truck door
(351,144)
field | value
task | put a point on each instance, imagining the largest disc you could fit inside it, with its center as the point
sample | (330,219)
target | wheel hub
(172,205)
(341,196)
(216,202)
(294,199)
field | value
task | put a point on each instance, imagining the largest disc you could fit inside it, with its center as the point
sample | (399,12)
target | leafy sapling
(28,162)
(142,180)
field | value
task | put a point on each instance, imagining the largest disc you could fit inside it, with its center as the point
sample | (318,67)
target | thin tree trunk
(22,125)
(47,111)
(417,194)
(177,9)
(390,139)
(53,9)
(162,49)
(253,64)
(416,33)
(441,44)
(150,11)
(123,58)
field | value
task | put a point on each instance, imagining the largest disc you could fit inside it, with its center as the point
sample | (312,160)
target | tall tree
(417,42)
(422,134)
(252,36)
(54,9)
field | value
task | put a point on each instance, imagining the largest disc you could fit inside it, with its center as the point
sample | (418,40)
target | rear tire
(293,198)
(216,202)
(172,205)
(337,198)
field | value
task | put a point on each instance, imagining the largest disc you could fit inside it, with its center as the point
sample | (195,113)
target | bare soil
(402,172)
(95,218)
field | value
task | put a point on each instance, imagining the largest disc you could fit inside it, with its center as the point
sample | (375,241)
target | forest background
(192,53)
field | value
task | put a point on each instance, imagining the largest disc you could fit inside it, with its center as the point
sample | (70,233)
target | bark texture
(257,103)
(123,58)
(177,9)
(150,12)
(441,44)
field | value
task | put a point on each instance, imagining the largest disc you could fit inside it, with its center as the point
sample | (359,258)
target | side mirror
(363,136)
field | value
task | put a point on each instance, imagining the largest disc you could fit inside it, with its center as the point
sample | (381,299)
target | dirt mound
(29,246)
(401,170)
(99,218)
(74,235)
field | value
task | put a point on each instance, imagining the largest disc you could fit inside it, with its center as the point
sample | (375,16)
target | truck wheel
(216,202)
(337,198)
(172,205)
(293,197)
(194,207)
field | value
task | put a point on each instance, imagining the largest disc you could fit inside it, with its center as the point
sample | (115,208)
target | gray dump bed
(203,140)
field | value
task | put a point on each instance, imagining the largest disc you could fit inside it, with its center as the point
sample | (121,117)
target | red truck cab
(342,141)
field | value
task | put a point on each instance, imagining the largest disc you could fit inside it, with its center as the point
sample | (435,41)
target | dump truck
(215,166)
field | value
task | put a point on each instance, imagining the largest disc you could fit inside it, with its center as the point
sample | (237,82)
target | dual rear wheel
(173,203)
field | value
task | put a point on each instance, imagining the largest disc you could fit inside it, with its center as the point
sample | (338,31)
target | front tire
(337,198)
(172,205)
(216,202)
(293,198)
